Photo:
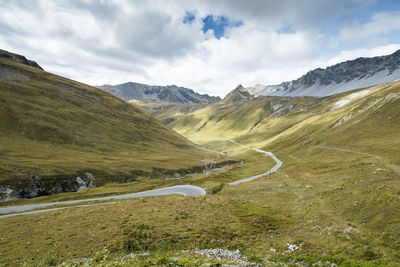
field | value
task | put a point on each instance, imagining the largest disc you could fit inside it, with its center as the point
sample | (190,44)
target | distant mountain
(239,94)
(342,77)
(170,94)
(18,58)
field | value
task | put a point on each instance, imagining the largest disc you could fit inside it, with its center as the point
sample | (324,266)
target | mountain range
(342,77)
(170,94)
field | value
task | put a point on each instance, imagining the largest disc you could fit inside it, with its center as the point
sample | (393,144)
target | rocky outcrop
(170,94)
(36,186)
(18,58)
(86,182)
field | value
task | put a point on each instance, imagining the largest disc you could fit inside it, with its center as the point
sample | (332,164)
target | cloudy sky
(210,46)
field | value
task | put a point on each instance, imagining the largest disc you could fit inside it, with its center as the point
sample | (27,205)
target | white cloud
(380,24)
(248,56)
(363,52)
(99,42)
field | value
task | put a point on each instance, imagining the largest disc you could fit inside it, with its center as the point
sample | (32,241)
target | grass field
(329,219)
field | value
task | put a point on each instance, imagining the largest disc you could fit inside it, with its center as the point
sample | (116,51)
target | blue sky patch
(218,24)
(189,18)
(286,28)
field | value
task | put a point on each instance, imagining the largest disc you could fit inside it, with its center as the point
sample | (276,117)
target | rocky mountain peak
(170,94)
(239,87)
(238,94)
(341,77)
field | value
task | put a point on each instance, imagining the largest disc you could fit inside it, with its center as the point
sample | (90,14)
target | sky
(210,46)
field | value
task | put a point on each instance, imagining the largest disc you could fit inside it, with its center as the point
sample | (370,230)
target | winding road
(185,190)
(274,169)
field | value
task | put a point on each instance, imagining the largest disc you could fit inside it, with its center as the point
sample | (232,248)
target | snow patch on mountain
(339,78)
(350,98)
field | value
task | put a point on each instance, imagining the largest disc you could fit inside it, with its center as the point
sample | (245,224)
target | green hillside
(369,121)
(167,113)
(55,128)
(228,118)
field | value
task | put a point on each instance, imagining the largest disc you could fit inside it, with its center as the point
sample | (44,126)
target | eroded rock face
(36,186)
(12,74)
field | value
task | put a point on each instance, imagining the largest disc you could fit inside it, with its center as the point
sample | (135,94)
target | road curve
(185,190)
(276,167)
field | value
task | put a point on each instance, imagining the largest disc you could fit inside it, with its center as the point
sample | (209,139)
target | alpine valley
(318,160)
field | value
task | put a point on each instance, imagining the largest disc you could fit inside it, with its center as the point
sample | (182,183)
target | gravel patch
(221,254)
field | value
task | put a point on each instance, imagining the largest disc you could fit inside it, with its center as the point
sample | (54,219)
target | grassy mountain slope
(232,119)
(270,120)
(54,127)
(167,113)
(340,162)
